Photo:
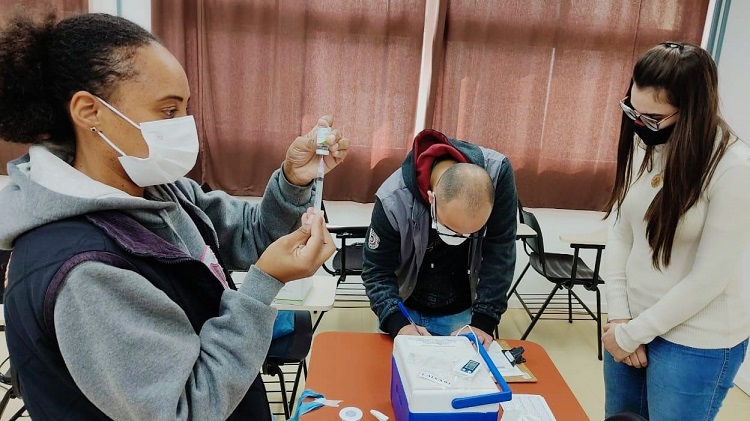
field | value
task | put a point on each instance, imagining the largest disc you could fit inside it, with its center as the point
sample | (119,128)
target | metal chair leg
(570,305)
(296,384)
(317,321)
(18,414)
(5,400)
(284,401)
(599,323)
(515,285)
(541,310)
(275,370)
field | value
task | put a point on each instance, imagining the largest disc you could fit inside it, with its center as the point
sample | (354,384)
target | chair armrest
(587,246)
(348,231)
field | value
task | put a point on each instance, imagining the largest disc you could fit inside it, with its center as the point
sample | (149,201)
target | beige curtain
(10,151)
(262,72)
(540,81)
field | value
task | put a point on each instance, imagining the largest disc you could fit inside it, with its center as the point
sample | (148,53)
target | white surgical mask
(172,150)
(447,235)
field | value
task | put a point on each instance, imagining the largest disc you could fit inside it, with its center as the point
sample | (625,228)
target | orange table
(356,367)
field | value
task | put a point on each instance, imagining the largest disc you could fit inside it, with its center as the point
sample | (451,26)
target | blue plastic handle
(488,398)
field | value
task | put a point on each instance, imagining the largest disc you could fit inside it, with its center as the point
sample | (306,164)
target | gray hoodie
(129,348)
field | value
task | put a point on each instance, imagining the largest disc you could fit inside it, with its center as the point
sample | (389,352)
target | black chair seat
(357,231)
(353,259)
(294,347)
(559,268)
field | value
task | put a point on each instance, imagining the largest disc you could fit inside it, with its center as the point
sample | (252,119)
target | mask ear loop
(112,144)
(124,117)
(433,211)
(116,111)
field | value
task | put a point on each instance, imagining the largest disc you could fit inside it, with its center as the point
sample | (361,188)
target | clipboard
(518,379)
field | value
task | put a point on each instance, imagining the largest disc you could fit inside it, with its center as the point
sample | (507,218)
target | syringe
(319,185)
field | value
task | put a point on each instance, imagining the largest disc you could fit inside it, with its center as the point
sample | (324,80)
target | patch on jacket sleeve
(373,241)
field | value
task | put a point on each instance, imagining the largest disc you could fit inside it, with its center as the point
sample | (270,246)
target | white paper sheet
(502,363)
(534,405)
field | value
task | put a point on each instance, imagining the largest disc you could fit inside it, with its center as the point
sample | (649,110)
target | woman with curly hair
(119,303)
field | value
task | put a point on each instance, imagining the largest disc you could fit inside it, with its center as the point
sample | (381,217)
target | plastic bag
(284,323)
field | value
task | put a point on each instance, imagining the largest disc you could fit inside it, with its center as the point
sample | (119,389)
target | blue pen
(408,317)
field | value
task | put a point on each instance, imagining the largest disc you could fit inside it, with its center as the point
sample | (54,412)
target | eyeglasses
(647,121)
(446,234)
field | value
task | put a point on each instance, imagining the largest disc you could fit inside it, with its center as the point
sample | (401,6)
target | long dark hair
(43,63)
(688,76)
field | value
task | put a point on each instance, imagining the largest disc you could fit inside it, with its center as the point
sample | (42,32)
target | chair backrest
(521,220)
(536,244)
(348,257)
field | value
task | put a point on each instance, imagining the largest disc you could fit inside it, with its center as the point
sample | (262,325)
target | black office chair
(289,350)
(348,261)
(565,271)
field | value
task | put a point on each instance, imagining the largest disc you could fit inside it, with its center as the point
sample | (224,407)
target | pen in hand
(408,317)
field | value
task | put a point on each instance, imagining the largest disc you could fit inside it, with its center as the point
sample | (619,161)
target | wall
(138,11)
(734,91)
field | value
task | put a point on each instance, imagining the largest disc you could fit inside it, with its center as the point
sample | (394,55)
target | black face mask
(652,138)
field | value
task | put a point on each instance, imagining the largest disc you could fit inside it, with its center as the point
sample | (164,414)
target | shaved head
(468,183)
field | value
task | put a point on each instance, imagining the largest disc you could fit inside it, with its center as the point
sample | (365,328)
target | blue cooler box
(426,384)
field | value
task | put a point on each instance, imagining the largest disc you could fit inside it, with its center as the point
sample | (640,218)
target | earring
(93,129)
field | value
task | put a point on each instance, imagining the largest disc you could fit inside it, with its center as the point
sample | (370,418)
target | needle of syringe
(319,185)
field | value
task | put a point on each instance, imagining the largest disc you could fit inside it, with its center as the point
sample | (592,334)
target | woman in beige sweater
(678,319)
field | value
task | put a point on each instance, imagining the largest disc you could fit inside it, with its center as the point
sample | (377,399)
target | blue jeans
(679,382)
(442,325)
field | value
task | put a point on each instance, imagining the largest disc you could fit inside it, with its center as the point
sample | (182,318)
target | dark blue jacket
(398,237)
(38,270)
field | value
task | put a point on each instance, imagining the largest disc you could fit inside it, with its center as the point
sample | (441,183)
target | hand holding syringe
(322,150)
(319,185)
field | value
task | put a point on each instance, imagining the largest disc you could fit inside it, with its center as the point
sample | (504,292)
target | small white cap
(350,413)
(379,415)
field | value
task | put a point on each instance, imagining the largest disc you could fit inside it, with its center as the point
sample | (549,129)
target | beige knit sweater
(702,299)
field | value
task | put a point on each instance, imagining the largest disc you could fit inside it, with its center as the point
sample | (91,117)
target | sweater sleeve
(619,245)
(134,354)
(245,230)
(725,236)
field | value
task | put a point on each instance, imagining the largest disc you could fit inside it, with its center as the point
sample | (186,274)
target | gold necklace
(657,179)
